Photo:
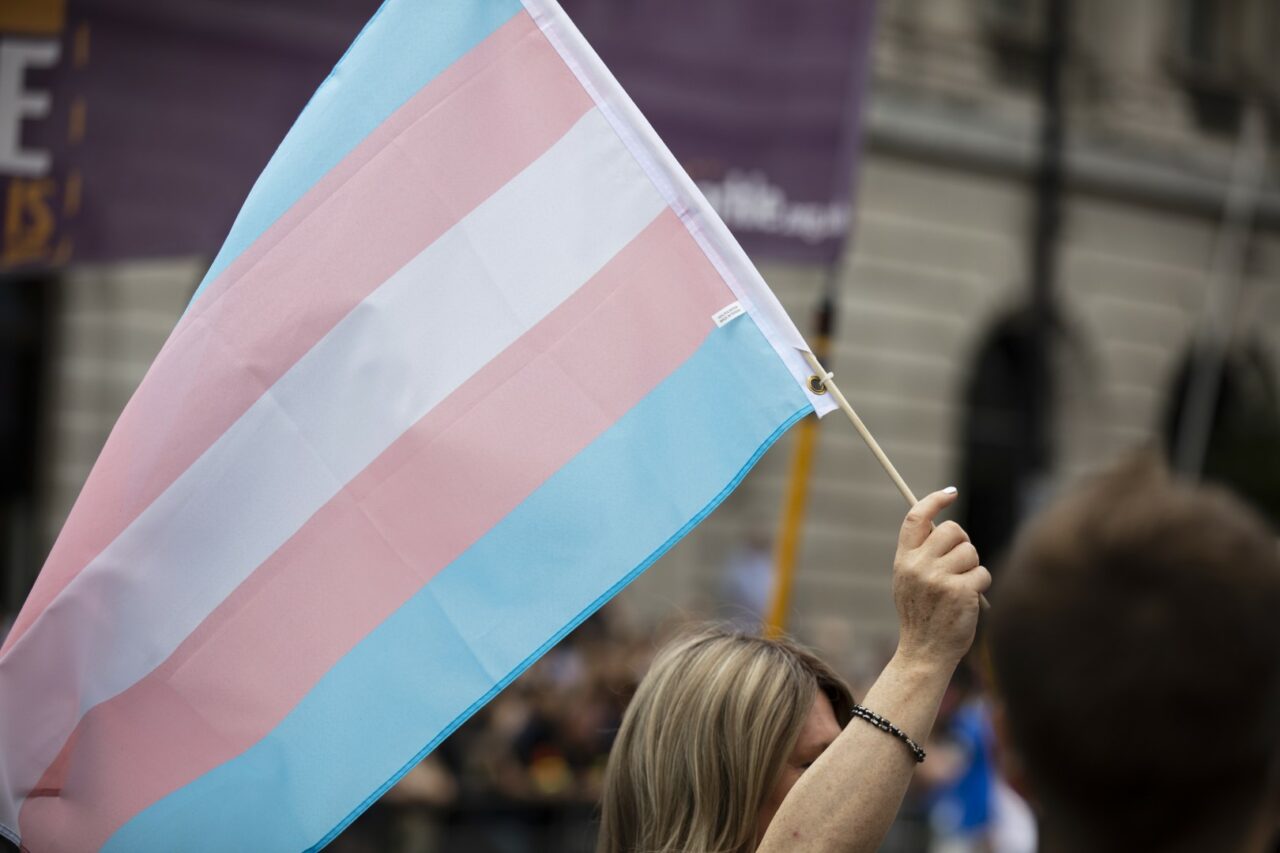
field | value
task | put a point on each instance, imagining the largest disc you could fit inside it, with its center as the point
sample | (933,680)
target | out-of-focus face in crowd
(1135,640)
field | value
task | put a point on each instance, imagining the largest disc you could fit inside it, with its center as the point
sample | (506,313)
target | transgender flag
(467,364)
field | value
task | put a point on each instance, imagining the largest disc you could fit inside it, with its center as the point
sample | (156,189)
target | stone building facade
(941,253)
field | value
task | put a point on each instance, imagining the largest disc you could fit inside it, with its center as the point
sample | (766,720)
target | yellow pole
(791,526)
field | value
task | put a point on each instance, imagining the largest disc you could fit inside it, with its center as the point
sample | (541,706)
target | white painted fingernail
(949,490)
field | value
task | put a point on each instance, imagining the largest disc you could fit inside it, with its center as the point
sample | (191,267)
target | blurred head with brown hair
(1135,640)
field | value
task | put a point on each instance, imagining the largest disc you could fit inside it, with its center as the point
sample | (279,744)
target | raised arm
(848,798)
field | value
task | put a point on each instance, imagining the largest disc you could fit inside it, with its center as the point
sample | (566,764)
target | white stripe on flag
(405,348)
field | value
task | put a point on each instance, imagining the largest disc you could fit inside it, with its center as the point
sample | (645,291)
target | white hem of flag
(680,192)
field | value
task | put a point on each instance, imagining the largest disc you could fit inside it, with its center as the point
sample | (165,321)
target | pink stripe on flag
(427,498)
(363,221)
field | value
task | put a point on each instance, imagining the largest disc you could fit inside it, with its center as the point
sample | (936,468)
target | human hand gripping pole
(823,382)
(846,800)
(935,574)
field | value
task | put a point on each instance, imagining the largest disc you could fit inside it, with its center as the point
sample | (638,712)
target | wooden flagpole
(824,378)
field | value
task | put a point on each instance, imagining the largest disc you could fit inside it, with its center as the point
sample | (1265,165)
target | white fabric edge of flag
(680,193)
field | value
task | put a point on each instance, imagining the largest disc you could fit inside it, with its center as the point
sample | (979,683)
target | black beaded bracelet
(885,726)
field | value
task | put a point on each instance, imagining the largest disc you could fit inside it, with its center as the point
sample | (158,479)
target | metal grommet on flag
(818,384)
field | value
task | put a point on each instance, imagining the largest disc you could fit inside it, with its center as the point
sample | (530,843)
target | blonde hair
(705,739)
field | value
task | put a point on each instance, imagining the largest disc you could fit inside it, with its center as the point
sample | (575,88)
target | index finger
(919,521)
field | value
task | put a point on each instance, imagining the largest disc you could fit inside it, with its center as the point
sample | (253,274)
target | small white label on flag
(727,313)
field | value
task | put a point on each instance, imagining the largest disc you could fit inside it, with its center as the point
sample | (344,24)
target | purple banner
(135,128)
(760,100)
(161,113)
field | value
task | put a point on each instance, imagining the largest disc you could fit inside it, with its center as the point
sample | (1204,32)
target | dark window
(24,311)
(1001,454)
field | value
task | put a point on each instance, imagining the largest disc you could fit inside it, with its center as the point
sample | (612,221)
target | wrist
(921,668)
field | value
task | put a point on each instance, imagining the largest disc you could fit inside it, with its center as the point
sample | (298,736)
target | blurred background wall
(1035,256)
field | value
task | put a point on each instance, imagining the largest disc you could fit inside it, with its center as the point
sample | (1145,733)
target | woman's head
(707,743)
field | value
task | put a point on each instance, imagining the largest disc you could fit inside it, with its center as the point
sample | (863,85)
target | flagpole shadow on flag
(476,353)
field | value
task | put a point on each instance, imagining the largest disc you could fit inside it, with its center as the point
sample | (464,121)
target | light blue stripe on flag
(404,47)
(568,548)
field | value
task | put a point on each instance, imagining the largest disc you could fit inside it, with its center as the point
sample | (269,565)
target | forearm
(849,797)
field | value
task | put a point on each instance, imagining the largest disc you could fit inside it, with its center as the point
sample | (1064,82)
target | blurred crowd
(524,774)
